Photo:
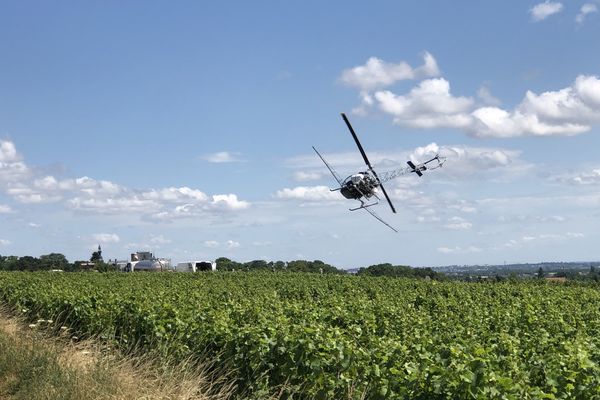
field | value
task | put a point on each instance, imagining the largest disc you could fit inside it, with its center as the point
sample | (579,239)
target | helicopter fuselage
(359,185)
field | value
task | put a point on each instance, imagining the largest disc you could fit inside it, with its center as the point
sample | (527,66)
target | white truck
(196,266)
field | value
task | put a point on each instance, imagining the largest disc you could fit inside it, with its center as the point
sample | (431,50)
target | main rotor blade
(362,151)
(384,192)
(379,218)
(335,175)
(364,156)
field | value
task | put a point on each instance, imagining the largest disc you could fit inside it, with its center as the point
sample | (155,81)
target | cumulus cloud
(568,111)
(486,96)
(28,195)
(583,178)
(543,10)
(228,202)
(85,194)
(586,9)
(377,73)
(113,205)
(106,237)
(4,242)
(307,193)
(218,204)
(429,105)
(222,157)
(8,152)
(4,209)
(174,194)
(12,168)
(464,162)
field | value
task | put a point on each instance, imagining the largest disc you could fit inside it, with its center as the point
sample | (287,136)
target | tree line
(57,261)
(52,261)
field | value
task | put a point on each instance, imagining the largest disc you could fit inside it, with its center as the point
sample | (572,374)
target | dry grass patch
(35,365)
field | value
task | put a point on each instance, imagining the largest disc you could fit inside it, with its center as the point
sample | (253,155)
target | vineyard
(336,337)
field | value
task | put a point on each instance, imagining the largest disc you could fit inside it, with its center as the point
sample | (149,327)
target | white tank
(151,266)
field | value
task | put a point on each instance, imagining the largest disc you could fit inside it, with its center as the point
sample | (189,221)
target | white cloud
(219,203)
(377,73)
(307,193)
(89,195)
(583,178)
(106,238)
(4,209)
(568,111)
(586,9)
(26,194)
(34,225)
(159,239)
(304,176)
(116,205)
(458,223)
(543,10)
(211,243)
(228,202)
(521,219)
(49,185)
(176,195)
(4,242)
(232,244)
(463,207)
(13,171)
(459,250)
(544,238)
(429,105)
(222,157)
(11,167)
(486,96)
(8,152)
(463,162)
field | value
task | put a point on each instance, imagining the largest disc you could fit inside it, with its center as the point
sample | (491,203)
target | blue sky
(186,129)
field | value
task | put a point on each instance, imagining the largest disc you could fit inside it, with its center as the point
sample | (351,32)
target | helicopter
(365,185)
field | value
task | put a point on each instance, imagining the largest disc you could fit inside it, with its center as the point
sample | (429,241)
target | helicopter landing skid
(363,205)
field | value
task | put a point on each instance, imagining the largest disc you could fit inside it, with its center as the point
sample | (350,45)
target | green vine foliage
(341,337)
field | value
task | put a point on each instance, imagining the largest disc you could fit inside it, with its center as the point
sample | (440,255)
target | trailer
(196,266)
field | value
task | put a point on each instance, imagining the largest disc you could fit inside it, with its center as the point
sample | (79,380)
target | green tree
(388,269)
(97,256)
(256,265)
(10,263)
(28,263)
(54,261)
(225,264)
(541,274)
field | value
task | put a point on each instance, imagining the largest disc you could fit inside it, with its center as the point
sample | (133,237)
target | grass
(34,365)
